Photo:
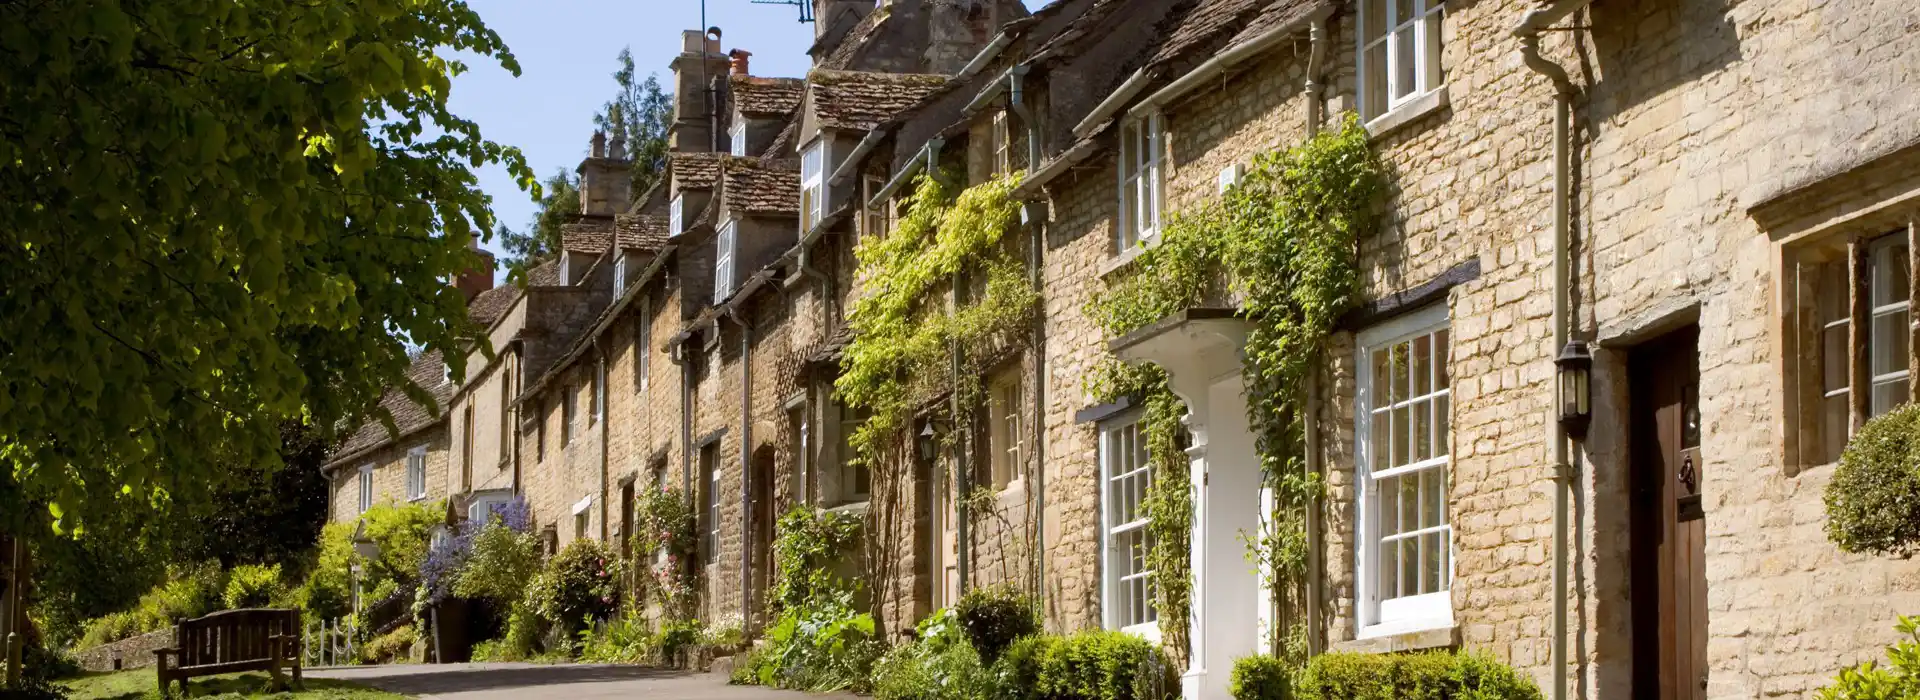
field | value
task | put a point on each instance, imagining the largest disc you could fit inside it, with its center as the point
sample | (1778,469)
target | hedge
(1419,676)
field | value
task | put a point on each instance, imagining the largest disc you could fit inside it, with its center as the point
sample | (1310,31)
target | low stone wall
(133,652)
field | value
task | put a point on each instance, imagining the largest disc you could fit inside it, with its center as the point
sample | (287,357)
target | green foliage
(402,531)
(900,352)
(579,585)
(639,114)
(808,545)
(520,642)
(994,617)
(1168,504)
(1281,245)
(665,523)
(1099,665)
(251,586)
(1873,500)
(189,591)
(1435,675)
(558,206)
(392,647)
(499,566)
(272,196)
(625,639)
(677,640)
(1899,679)
(1261,678)
(939,664)
(824,646)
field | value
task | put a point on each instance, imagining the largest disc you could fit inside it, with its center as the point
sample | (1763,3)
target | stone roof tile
(860,101)
(695,171)
(589,234)
(426,371)
(766,97)
(640,231)
(755,187)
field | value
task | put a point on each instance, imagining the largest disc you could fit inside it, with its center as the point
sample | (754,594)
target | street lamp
(367,550)
(925,444)
(1575,365)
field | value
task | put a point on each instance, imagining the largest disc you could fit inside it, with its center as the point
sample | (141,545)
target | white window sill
(1410,635)
(1149,631)
(416,499)
(1408,112)
(1126,257)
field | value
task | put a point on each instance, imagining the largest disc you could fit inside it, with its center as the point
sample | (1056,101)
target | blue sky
(567,51)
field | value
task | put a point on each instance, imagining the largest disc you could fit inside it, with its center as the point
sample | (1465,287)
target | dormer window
(813,185)
(723,260)
(1141,144)
(677,216)
(738,136)
(566,276)
(619,274)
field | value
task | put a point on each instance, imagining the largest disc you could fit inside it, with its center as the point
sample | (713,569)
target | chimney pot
(478,278)
(619,148)
(599,149)
(740,58)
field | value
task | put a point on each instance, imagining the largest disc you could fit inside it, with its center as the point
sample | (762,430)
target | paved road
(554,682)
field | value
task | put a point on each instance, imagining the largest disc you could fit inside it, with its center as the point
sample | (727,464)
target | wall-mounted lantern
(1575,365)
(925,443)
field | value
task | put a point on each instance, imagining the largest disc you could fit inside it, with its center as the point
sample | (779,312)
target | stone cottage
(1712,201)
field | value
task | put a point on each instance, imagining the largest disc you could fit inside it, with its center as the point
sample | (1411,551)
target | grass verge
(139,684)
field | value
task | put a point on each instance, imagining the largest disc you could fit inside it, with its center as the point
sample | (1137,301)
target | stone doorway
(1668,532)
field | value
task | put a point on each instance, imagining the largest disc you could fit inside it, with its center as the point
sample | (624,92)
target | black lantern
(1576,388)
(925,443)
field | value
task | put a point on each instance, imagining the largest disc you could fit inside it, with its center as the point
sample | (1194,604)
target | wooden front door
(1669,583)
(761,492)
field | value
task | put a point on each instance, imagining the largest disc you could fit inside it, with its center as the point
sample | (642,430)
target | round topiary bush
(1873,501)
(579,585)
(994,617)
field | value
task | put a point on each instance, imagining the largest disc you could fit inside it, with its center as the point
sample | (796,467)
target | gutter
(986,55)
(1528,31)
(1316,67)
(1218,65)
(1005,82)
(1111,106)
(1037,180)
(860,151)
(1029,215)
(926,158)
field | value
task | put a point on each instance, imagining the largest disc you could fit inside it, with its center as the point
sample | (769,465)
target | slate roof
(766,97)
(856,39)
(589,235)
(640,231)
(694,170)
(429,372)
(1198,31)
(860,101)
(754,187)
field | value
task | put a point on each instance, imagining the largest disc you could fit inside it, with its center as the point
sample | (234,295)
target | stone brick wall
(132,652)
(390,473)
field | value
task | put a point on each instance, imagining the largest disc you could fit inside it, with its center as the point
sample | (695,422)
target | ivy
(1282,244)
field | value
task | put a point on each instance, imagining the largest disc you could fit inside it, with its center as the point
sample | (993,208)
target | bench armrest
(169,651)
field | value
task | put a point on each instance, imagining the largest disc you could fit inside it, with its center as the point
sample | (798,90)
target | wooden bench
(232,641)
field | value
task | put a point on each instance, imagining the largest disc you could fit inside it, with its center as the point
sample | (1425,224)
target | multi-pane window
(723,260)
(710,502)
(619,275)
(1141,179)
(856,478)
(738,137)
(1004,432)
(569,396)
(599,393)
(880,216)
(1002,144)
(1403,446)
(417,473)
(1125,476)
(642,342)
(813,185)
(677,215)
(366,488)
(1853,297)
(1399,52)
(506,423)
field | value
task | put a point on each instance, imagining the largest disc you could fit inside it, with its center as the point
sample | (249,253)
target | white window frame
(1425,30)
(1002,140)
(599,393)
(676,215)
(568,395)
(814,160)
(642,340)
(1007,431)
(619,274)
(1402,614)
(1142,183)
(1882,344)
(737,137)
(417,473)
(1124,458)
(725,245)
(366,487)
(851,470)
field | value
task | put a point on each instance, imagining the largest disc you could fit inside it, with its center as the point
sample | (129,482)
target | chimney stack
(740,57)
(698,66)
(605,182)
(479,277)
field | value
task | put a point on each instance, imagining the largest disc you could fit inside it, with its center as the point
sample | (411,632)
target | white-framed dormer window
(366,487)
(1141,179)
(642,343)
(417,473)
(619,275)
(813,184)
(1399,53)
(1403,454)
(677,215)
(1127,598)
(724,248)
(566,267)
(738,137)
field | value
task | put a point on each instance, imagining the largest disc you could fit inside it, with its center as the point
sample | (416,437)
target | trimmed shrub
(995,616)
(1898,679)
(392,647)
(1434,675)
(1873,501)
(1261,678)
(579,586)
(252,586)
(1086,666)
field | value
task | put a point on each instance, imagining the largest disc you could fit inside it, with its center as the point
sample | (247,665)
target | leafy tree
(264,514)
(638,114)
(218,216)
(559,206)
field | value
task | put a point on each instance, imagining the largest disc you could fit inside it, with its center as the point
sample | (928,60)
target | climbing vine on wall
(1281,245)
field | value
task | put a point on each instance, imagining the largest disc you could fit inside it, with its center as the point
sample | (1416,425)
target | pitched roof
(849,47)
(860,101)
(1207,27)
(426,371)
(757,187)
(588,234)
(784,143)
(694,170)
(640,231)
(756,96)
